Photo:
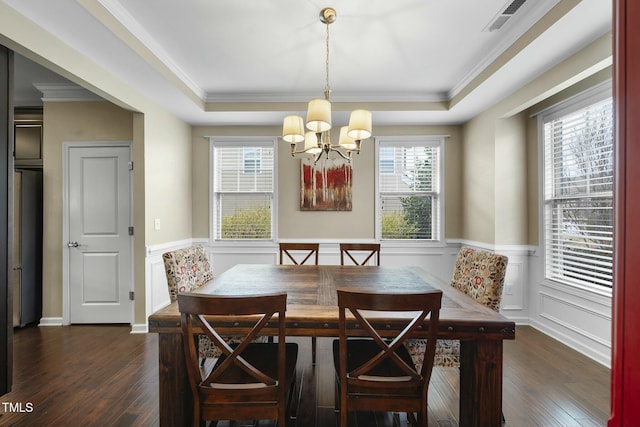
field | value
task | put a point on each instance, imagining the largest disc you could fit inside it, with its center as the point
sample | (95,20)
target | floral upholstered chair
(479,274)
(188,269)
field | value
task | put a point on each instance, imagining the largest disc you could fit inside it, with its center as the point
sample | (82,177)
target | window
(243,182)
(578,190)
(409,181)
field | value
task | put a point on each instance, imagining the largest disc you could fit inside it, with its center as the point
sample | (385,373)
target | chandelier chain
(327,89)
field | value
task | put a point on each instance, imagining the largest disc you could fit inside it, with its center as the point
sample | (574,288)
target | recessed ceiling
(248,62)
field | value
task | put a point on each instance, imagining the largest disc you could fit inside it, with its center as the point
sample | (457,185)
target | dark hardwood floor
(105,376)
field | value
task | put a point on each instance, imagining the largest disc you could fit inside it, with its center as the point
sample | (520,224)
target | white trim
(66,146)
(51,321)
(161,248)
(512,249)
(585,348)
(582,99)
(140,328)
(65,92)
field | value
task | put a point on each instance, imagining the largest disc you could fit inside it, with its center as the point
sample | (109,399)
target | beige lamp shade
(293,129)
(311,143)
(345,140)
(319,115)
(360,124)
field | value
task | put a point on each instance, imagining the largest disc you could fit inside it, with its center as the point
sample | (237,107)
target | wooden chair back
(250,380)
(292,252)
(366,250)
(376,373)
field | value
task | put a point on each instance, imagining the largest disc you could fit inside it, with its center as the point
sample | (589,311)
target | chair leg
(396,420)
(292,402)
(314,344)
(411,419)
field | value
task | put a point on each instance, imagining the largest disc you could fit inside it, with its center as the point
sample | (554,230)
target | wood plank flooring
(104,376)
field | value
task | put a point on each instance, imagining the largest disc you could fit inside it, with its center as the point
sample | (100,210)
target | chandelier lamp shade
(316,137)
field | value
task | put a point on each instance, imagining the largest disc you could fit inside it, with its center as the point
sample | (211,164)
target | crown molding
(65,92)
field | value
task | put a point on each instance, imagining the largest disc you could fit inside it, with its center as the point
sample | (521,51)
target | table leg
(176,403)
(481,383)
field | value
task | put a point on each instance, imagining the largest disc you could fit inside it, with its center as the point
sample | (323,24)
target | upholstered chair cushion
(479,274)
(187,269)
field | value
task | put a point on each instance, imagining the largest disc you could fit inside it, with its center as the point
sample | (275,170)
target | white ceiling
(246,59)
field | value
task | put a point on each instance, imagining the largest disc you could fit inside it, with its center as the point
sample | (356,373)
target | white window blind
(409,186)
(243,191)
(578,193)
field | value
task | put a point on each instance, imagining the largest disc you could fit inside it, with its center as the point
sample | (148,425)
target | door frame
(66,147)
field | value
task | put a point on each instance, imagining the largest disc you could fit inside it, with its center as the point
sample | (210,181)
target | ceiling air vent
(502,17)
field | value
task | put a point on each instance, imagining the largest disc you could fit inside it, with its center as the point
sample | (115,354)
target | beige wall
(168,178)
(511,180)
(68,122)
(296,224)
(499,160)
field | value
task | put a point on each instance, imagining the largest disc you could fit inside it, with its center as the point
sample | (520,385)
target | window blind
(243,191)
(579,195)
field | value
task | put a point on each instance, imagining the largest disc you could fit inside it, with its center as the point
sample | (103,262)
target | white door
(100,247)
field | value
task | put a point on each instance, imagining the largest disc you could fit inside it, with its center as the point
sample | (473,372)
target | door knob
(73,244)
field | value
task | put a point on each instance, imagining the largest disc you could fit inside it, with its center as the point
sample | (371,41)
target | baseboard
(50,321)
(581,347)
(139,328)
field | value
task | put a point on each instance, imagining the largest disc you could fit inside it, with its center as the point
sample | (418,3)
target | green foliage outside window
(396,226)
(248,223)
(417,210)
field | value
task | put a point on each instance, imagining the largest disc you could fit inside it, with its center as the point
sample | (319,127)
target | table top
(312,300)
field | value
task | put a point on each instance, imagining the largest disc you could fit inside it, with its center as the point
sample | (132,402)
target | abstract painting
(326,185)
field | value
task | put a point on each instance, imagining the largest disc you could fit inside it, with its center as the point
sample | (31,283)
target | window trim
(234,141)
(581,100)
(415,141)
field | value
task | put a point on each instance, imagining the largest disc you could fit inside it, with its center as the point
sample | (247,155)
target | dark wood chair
(375,371)
(250,380)
(365,251)
(299,253)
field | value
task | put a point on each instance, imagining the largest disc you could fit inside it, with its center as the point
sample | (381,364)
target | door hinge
(131,295)
(130,166)
(131,230)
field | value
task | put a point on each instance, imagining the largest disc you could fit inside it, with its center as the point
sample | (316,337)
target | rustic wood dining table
(312,311)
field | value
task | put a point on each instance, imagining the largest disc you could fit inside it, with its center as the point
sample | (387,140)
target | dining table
(312,310)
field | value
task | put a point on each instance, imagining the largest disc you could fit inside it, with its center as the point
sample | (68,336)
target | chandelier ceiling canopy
(316,138)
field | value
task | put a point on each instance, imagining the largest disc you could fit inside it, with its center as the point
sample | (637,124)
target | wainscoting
(579,318)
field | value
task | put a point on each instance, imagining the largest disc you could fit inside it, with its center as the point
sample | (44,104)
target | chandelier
(317,139)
